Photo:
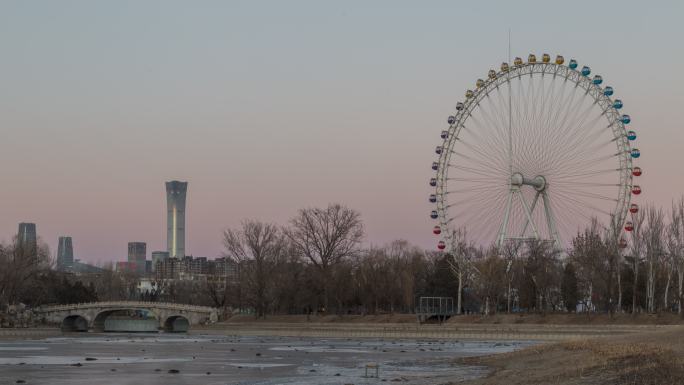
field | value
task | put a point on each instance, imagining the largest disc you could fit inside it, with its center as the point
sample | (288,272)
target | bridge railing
(143,304)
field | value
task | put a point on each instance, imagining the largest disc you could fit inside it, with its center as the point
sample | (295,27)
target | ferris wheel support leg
(550,221)
(534,204)
(528,213)
(504,225)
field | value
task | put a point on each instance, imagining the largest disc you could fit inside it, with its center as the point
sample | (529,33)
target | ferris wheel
(535,151)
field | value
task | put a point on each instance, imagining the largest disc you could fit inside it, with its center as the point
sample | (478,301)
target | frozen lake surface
(105,359)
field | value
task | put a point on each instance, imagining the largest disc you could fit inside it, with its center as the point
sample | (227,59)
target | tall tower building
(137,255)
(65,253)
(175,218)
(27,238)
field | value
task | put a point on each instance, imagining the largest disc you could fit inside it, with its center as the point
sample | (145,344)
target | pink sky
(265,110)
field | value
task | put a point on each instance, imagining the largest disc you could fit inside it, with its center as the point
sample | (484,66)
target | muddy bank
(502,332)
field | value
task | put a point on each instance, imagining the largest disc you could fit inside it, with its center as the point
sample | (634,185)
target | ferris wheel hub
(538,182)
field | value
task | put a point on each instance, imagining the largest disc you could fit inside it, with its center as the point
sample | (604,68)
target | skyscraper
(27,238)
(137,254)
(175,219)
(65,253)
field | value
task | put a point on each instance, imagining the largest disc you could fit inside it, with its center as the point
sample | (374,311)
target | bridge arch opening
(176,324)
(74,323)
(126,320)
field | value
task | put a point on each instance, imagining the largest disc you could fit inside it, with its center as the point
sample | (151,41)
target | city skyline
(314,104)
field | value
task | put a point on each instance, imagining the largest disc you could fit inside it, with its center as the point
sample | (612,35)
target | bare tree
(675,247)
(637,251)
(325,237)
(654,233)
(611,240)
(509,253)
(255,247)
(460,257)
(20,267)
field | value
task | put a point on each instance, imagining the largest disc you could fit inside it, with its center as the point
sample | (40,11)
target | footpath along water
(107,359)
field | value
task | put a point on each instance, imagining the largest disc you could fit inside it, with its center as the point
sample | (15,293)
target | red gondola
(633,208)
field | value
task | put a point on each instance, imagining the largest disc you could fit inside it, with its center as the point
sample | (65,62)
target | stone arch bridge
(170,317)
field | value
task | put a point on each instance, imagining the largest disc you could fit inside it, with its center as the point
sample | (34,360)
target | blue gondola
(625,119)
(597,79)
(572,64)
(433,214)
(631,135)
(617,104)
(635,153)
(608,91)
(586,71)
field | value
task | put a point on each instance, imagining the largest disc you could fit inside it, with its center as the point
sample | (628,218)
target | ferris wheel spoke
(495,116)
(480,161)
(577,135)
(565,134)
(481,152)
(588,163)
(581,205)
(470,190)
(593,195)
(586,174)
(479,180)
(582,151)
(489,143)
(497,137)
(577,210)
(472,170)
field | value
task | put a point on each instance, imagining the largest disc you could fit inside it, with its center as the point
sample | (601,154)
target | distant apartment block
(158,256)
(196,269)
(137,255)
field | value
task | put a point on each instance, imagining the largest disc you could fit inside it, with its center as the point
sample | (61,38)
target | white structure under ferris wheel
(535,151)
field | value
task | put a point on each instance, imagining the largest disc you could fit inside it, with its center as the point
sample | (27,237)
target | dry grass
(654,358)
(631,363)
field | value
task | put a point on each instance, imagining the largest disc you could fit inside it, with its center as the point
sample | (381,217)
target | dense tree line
(316,264)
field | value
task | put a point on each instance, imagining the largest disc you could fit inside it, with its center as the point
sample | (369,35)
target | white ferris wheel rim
(448,168)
